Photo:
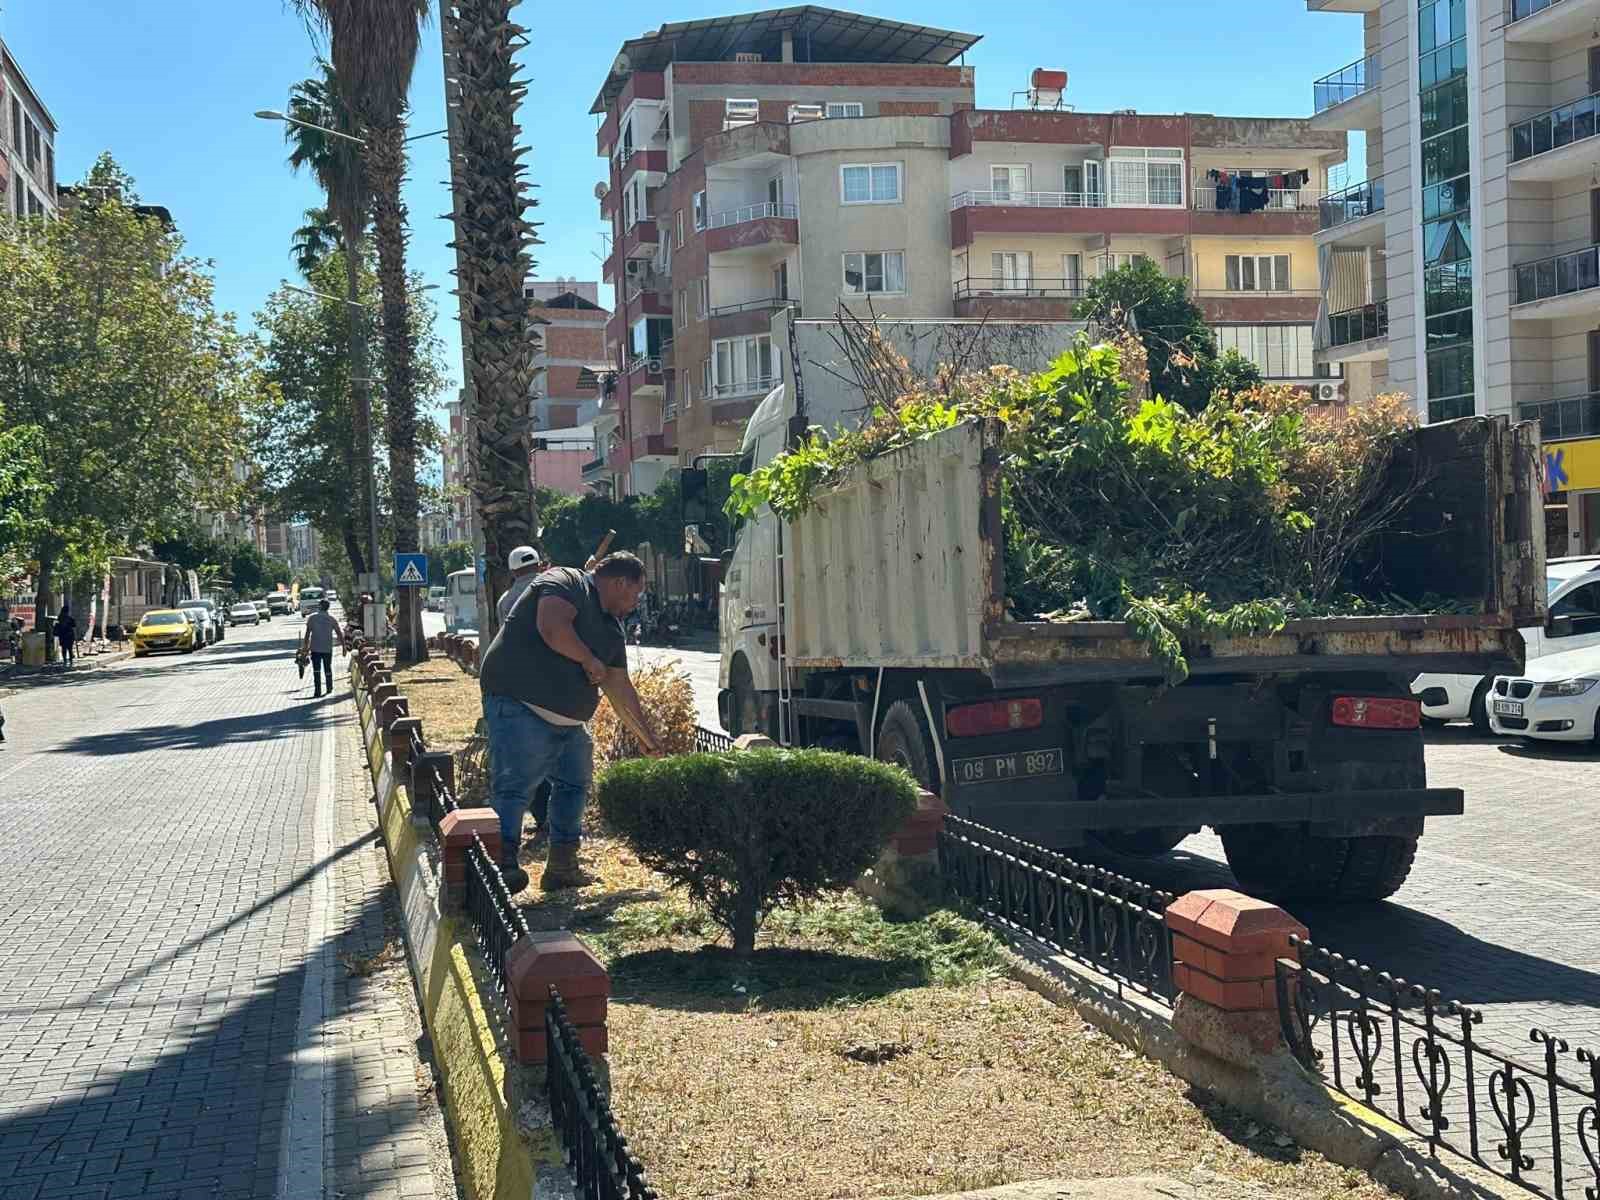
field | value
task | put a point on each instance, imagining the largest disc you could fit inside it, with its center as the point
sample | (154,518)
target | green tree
(111,348)
(1185,366)
(314,240)
(442,560)
(374,50)
(23,492)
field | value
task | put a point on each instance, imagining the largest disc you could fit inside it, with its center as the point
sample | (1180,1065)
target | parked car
(1556,698)
(165,629)
(201,640)
(435,600)
(244,614)
(1574,590)
(310,600)
(209,625)
(263,610)
(278,602)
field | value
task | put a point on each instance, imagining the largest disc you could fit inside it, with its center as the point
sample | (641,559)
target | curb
(504,1143)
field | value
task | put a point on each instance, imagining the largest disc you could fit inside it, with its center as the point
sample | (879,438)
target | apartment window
(741,365)
(699,204)
(740,112)
(1279,351)
(1116,261)
(804,112)
(1010,269)
(16,124)
(775,190)
(701,299)
(870,183)
(873,272)
(1146,177)
(1072,272)
(35,206)
(22,198)
(1594,69)
(627,208)
(680,310)
(33,144)
(1256,272)
(780,281)
(1008,181)
(843,108)
(50,168)
(705,376)
(677,218)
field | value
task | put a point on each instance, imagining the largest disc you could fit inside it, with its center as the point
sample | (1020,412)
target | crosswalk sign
(411,570)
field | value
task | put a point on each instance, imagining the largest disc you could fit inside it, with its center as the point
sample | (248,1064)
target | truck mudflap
(1272,808)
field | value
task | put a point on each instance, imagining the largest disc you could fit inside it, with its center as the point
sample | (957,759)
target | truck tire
(745,706)
(1478,710)
(903,740)
(1285,862)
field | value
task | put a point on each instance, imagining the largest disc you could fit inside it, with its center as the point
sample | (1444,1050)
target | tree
(493,238)
(374,49)
(314,240)
(23,492)
(442,560)
(1185,366)
(111,349)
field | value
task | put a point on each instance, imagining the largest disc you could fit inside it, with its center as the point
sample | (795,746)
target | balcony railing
(1003,287)
(1006,197)
(1576,416)
(1523,9)
(648,363)
(1346,83)
(594,465)
(1560,126)
(1358,324)
(744,387)
(770,302)
(1558,275)
(1362,200)
(750,212)
(1208,197)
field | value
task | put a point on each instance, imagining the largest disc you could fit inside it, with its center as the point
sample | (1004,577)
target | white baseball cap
(521,557)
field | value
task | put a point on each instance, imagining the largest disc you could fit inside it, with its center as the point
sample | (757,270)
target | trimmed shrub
(743,833)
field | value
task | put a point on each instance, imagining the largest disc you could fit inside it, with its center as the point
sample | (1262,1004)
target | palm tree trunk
(386,168)
(361,402)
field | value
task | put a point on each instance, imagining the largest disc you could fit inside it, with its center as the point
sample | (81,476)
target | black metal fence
(1411,1055)
(494,915)
(709,741)
(1115,924)
(597,1153)
(441,797)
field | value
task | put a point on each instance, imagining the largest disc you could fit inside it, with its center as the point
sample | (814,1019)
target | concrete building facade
(457,525)
(572,342)
(815,160)
(27,144)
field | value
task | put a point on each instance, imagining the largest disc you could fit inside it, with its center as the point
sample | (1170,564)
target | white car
(244,614)
(1574,586)
(1557,698)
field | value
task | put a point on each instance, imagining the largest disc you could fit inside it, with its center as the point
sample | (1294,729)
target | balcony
(1556,144)
(1348,98)
(1354,204)
(594,471)
(752,228)
(1285,212)
(1358,334)
(640,158)
(653,445)
(1011,212)
(1017,299)
(1562,285)
(748,316)
(743,388)
(1238,306)
(646,376)
(1542,22)
(1573,417)
(1010,199)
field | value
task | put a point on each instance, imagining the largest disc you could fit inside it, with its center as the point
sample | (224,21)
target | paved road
(190,866)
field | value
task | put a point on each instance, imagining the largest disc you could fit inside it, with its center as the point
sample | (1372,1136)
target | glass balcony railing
(1352,204)
(1358,324)
(1558,275)
(1570,417)
(1561,126)
(1346,83)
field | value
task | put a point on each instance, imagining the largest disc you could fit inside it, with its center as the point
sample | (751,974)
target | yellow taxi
(163,629)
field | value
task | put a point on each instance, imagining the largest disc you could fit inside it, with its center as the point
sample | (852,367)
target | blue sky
(168,86)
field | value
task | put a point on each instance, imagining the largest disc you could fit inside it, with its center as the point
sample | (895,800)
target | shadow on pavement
(302,714)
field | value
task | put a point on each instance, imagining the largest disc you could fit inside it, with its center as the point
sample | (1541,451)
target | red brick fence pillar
(560,960)
(456,832)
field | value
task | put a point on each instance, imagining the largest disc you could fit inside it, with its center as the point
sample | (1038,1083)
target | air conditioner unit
(1330,393)
(653,366)
(635,268)
(745,56)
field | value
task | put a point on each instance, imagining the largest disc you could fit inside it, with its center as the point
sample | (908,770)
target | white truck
(876,622)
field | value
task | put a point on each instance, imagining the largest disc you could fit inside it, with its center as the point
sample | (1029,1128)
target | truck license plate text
(997,768)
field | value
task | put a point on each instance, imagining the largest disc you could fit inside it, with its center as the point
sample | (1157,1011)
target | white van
(310,599)
(461,601)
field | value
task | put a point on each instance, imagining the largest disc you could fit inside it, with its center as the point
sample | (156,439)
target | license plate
(999,768)
(1508,708)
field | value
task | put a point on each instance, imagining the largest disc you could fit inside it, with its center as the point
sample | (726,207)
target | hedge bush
(745,832)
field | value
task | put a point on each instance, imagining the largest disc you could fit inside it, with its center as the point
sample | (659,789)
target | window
(843,108)
(872,272)
(1115,261)
(1006,181)
(780,281)
(1280,351)
(1072,273)
(775,190)
(701,299)
(1146,177)
(1256,272)
(804,112)
(1581,607)
(870,183)
(16,124)
(705,376)
(699,211)
(680,310)
(741,365)
(740,112)
(33,144)
(1011,269)
(677,219)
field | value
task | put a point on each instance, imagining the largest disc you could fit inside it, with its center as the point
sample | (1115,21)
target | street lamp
(272,114)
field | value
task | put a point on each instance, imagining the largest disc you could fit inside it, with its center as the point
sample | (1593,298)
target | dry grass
(446,699)
(667,698)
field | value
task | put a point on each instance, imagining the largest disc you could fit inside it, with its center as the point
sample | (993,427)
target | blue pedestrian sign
(411,570)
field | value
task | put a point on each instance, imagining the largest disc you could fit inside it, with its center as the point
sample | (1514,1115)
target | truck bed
(903,567)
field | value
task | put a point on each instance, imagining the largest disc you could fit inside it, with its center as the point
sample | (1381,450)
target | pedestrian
(321,632)
(542,676)
(66,632)
(524,564)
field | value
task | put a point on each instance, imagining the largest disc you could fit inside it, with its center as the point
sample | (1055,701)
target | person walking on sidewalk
(542,676)
(321,632)
(66,632)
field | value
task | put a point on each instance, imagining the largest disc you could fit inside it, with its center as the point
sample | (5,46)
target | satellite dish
(600,190)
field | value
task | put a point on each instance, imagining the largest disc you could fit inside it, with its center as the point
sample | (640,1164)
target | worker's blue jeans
(525,750)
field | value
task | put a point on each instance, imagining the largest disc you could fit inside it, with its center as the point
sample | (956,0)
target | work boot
(516,878)
(561,869)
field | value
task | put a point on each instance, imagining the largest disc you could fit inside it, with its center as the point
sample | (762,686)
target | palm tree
(311,244)
(374,47)
(318,106)
(492,262)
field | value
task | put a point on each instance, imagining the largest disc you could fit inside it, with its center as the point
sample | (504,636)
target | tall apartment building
(573,338)
(1466,270)
(27,144)
(811,158)
(458,503)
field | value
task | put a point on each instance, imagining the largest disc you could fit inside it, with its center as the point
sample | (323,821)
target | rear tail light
(994,716)
(1376,712)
